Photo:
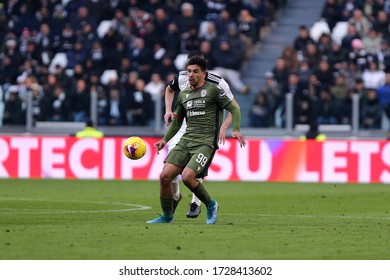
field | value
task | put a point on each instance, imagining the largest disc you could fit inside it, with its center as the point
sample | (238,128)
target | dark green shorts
(196,156)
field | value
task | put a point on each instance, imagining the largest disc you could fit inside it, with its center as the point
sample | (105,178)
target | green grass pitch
(105,220)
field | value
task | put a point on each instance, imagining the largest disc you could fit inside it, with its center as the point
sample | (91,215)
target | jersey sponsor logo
(189,104)
(203,92)
(222,95)
(199,103)
(196,113)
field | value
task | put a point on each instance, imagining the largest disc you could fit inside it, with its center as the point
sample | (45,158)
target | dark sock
(202,194)
(167,206)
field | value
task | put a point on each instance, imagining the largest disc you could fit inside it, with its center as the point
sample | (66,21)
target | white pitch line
(134,207)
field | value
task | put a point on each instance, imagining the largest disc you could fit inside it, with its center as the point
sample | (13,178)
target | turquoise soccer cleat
(161,220)
(212,212)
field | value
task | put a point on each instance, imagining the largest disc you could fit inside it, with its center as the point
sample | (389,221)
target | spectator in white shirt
(155,87)
(373,77)
(372,42)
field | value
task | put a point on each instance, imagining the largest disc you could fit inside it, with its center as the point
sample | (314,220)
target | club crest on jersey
(222,95)
(203,92)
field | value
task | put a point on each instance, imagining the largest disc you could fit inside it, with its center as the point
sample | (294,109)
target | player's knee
(189,180)
(165,178)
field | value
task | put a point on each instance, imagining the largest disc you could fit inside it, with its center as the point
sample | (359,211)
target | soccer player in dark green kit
(201,104)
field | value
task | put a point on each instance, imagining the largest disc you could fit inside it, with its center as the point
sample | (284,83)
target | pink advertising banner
(335,161)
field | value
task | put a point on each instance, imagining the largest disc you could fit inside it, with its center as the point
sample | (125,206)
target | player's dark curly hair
(198,60)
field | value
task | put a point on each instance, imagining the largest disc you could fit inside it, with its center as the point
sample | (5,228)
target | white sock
(196,200)
(194,197)
(176,188)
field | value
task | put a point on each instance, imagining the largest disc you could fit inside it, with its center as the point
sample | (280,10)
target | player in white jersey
(177,84)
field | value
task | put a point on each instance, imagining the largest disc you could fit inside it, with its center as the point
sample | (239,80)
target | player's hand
(168,118)
(222,135)
(239,138)
(160,145)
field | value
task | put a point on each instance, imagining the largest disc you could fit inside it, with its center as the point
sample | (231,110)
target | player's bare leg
(168,173)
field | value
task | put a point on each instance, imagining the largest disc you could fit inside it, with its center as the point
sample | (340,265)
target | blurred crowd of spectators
(124,52)
(345,54)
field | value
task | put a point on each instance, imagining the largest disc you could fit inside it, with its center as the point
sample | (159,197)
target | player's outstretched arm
(172,130)
(225,125)
(160,145)
(236,116)
(240,138)
(169,94)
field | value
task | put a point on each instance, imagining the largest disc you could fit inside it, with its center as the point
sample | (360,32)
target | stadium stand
(73,57)
(91,48)
(283,32)
(347,43)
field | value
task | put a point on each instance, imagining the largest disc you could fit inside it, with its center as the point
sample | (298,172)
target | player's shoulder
(213,78)
(184,91)
(211,86)
(180,81)
(215,90)
(182,76)
(182,73)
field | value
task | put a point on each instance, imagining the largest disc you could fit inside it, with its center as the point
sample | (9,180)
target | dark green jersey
(203,111)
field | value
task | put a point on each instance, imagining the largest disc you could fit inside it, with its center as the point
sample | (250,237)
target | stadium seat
(58,59)
(12,88)
(108,75)
(320,27)
(203,28)
(180,61)
(339,31)
(103,28)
